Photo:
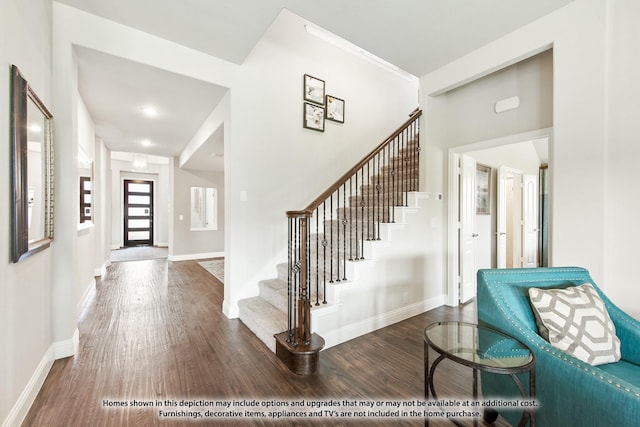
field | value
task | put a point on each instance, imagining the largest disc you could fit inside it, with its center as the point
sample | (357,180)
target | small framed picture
(313,89)
(483,189)
(334,109)
(313,117)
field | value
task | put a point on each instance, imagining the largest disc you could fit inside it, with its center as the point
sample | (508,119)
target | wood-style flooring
(155,332)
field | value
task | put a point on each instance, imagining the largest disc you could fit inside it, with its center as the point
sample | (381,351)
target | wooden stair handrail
(308,211)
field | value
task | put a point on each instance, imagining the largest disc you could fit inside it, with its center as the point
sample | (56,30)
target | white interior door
(529,221)
(501,218)
(467,231)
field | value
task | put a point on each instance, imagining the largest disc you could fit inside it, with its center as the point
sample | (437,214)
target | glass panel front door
(138,213)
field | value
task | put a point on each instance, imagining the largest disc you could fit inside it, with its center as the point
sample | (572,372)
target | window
(204,209)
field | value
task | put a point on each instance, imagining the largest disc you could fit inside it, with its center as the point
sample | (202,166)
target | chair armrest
(628,331)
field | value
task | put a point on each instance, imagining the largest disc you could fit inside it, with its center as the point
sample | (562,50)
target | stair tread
(271,319)
(274,291)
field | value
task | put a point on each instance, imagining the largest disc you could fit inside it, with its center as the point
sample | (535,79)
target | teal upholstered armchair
(569,392)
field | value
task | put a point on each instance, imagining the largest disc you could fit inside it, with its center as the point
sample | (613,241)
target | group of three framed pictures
(319,107)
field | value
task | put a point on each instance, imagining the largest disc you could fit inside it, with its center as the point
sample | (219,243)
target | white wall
(622,206)
(85,263)
(595,124)
(577,33)
(400,278)
(25,288)
(102,211)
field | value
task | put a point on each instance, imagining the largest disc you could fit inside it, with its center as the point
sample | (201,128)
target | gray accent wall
(186,242)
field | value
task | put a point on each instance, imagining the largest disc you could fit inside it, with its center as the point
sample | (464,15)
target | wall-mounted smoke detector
(507,104)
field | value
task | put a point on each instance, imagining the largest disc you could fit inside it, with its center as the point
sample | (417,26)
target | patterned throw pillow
(576,321)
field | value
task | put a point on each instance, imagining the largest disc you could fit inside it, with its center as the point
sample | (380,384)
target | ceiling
(116,90)
(418,36)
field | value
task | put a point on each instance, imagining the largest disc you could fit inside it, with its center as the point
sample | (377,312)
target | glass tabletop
(478,345)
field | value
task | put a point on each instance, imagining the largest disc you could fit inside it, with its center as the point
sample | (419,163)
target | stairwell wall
(276,163)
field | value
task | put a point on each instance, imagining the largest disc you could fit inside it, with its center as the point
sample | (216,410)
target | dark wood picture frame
(334,109)
(313,117)
(313,89)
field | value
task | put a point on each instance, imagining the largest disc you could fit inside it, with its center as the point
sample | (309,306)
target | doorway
(138,213)
(470,235)
(517,219)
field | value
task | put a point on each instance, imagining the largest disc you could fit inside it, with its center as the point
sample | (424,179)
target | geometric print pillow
(576,321)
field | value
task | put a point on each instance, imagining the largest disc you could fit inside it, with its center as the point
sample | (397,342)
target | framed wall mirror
(32,170)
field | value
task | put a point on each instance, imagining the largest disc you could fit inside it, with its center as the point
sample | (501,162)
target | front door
(138,212)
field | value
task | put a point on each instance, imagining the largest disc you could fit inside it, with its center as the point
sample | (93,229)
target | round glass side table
(482,349)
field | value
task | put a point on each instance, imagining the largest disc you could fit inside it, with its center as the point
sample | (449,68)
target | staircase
(329,242)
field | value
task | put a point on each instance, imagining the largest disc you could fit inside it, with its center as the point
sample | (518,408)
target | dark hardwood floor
(155,332)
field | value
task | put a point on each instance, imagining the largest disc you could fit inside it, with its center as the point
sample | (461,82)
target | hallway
(155,331)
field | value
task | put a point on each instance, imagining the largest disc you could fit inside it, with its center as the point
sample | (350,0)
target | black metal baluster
(305,297)
(351,241)
(338,221)
(405,165)
(363,220)
(414,159)
(324,251)
(393,181)
(378,193)
(385,164)
(317,214)
(417,136)
(344,224)
(297,283)
(331,241)
(368,187)
(289,275)
(355,201)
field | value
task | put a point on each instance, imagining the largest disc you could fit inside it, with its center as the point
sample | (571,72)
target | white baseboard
(232,311)
(66,348)
(162,244)
(346,333)
(87,297)
(99,272)
(114,247)
(57,350)
(187,257)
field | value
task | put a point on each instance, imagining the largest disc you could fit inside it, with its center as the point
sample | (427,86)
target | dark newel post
(304,304)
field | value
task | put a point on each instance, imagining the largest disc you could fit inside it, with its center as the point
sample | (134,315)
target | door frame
(126,216)
(453,250)
(126,175)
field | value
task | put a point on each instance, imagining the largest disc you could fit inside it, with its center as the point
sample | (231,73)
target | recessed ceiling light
(35,128)
(150,111)
(145,142)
